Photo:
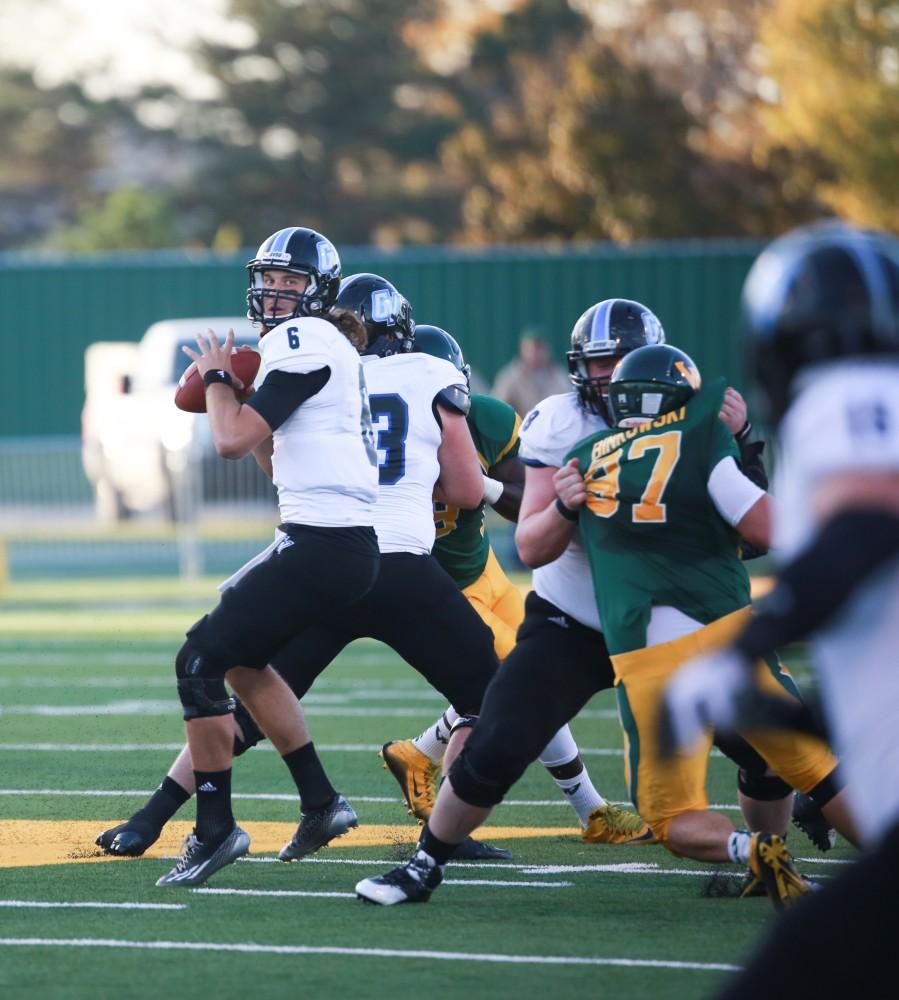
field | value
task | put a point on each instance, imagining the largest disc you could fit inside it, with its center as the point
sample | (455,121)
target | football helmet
(609,329)
(299,251)
(651,381)
(436,341)
(386,314)
(820,293)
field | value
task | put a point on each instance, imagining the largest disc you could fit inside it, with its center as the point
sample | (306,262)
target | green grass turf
(53,662)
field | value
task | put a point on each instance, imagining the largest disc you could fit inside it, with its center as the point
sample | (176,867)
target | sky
(119,45)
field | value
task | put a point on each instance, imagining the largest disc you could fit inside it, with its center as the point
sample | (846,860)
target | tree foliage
(836,67)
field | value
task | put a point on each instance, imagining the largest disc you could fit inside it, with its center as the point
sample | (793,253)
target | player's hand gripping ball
(191,392)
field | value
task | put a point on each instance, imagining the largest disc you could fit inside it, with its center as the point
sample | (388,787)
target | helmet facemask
(271,306)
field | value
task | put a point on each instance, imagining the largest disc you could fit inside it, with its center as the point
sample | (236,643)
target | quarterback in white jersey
(310,423)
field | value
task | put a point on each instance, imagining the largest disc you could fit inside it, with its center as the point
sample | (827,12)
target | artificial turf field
(89,722)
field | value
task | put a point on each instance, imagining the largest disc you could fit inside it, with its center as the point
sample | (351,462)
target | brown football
(191,393)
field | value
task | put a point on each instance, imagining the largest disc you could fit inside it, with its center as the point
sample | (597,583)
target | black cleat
(476,850)
(318,828)
(199,861)
(412,882)
(129,839)
(807,816)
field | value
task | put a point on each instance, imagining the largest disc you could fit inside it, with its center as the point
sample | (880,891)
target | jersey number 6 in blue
(390,417)
(293,340)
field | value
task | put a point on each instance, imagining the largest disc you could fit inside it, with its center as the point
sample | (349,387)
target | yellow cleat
(613,825)
(772,864)
(418,776)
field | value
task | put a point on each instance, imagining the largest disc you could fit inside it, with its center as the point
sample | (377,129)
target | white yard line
(34,904)
(329,747)
(393,953)
(322,706)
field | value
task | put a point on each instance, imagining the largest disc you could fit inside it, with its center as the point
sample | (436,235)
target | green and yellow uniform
(463,547)
(654,539)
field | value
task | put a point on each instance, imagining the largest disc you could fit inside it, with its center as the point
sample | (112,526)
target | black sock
(161,806)
(316,791)
(439,849)
(214,817)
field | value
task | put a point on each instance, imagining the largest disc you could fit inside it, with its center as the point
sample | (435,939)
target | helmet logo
(328,261)
(654,332)
(385,305)
(690,374)
(274,257)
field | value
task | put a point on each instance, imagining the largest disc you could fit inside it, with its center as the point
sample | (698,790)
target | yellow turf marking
(26,843)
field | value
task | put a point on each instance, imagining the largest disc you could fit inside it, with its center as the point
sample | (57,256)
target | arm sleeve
(731,491)
(283,392)
(850,548)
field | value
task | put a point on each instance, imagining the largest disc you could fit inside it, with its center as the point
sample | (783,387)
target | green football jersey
(462,544)
(652,533)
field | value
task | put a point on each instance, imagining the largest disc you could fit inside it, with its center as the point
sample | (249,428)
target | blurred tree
(328,119)
(577,126)
(52,140)
(835,64)
(129,218)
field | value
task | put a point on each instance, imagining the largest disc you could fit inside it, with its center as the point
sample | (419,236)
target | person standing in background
(531,376)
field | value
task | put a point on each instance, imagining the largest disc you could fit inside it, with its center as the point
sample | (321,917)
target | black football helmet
(300,251)
(437,342)
(386,314)
(651,381)
(609,329)
(820,293)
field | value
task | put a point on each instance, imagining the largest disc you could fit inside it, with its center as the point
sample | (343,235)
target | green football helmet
(651,381)
(436,341)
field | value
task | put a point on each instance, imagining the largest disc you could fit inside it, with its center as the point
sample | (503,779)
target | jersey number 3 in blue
(390,418)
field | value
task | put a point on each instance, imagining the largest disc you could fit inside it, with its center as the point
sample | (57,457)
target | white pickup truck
(136,444)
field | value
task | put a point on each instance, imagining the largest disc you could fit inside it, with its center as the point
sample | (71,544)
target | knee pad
(475,788)
(825,790)
(463,722)
(201,685)
(252,734)
(764,788)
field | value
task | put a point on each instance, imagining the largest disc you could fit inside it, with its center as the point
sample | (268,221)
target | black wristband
(744,431)
(567,512)
(218,375)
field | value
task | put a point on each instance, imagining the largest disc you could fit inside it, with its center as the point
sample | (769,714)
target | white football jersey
(847,420)
(323,464)
(401,390)
(547,434)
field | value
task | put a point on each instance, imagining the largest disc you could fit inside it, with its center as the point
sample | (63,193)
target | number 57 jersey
(653,535)
(403,390)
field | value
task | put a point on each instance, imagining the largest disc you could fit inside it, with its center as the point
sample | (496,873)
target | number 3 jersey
(653,533)
(323,462)
(403,389)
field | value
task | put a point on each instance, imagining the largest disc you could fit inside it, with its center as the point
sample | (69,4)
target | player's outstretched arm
(509,473)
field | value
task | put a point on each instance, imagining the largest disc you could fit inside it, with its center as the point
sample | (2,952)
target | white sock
(560,749)
(582,796)
(432,742)
(738,846)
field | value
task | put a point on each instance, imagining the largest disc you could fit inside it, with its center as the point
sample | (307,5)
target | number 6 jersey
(324,464)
